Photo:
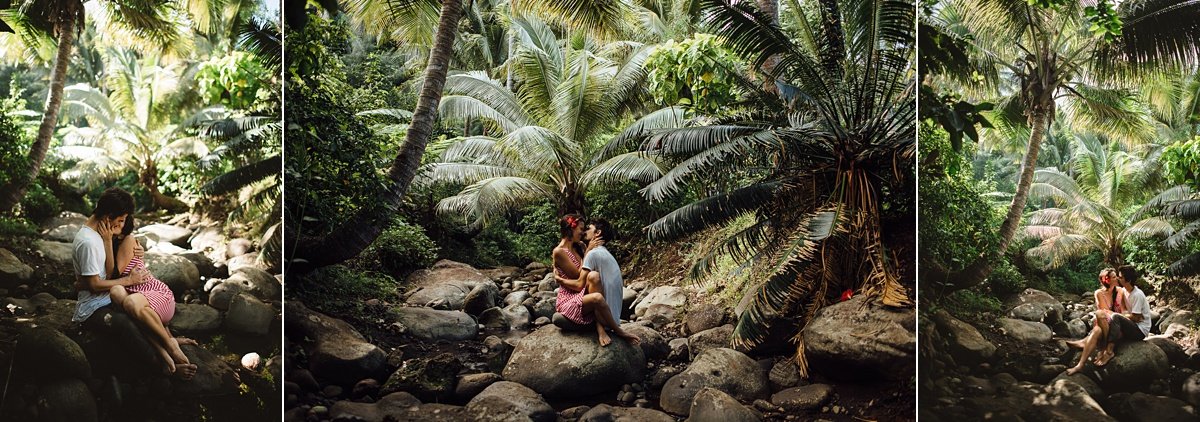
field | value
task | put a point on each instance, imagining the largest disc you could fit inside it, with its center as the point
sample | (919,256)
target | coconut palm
(1188,211)
(128,128)
(1066,59)
(1086,212)
(816,164)
(42,23)
(540,141)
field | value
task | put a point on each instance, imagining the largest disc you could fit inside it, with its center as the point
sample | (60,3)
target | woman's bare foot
(604,339)
(185,371)
(1078,344)
(632,339)
(1103,357)
(168,362)
(177,353)
(185,340)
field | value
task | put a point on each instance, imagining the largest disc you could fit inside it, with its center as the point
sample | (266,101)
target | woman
(153,296)
(574,301)
(1110,299)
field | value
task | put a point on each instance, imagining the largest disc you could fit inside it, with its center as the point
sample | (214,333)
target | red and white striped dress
(570,303)
(156,292)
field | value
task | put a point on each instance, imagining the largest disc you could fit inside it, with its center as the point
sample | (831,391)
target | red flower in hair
(571,221)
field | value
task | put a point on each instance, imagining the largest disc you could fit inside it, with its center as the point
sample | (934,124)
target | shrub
(538,233)
(19,227)
(341,291)
(39,203)
(971,301)
(1005,280)
(14,143)
(400,248)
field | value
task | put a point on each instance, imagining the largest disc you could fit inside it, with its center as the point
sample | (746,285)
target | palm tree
(145,23)
(357,232)
(128,127)
(541,141)
(1042,58)
(1087,212)
(819,167)
(1188,211)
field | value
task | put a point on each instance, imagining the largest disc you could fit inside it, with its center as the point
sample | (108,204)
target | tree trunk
(770,8)
(350,238)
(982,267)
(12,194)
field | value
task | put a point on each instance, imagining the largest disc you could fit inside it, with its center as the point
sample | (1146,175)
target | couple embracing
(1122,315)
(589,279)
(110,271)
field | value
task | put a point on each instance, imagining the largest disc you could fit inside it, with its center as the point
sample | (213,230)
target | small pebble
(642,403)
(319,411)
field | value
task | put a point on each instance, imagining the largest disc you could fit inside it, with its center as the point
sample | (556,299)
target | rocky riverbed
(469,344)
(228,298)
(1013,367)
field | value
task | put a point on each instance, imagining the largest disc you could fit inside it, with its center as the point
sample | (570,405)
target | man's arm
(97,284)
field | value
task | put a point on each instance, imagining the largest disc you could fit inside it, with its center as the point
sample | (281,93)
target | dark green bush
(19,227)
(14,143)
(341,291)
(1005,280)
(538,233)
(399,249)
(39,203)
(971,302)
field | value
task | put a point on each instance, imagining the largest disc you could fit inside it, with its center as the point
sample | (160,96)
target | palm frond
(487,199)
(638,166)
(710,211)
(243,176)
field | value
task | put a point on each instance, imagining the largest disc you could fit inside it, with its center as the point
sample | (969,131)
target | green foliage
(18,227)
(39,203)
(956,224)
(400,248)
(971,301)
(333,158)
(341,291)
(237,80)
(623,206)
(1181,163)
(956,116)
(1077,276)
(1047,4)
(14,142)
(1104,20)
(538,232)
(699,71)
(1005,280)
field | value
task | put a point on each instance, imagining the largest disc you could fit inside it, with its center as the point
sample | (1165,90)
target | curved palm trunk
(349,239)
(982,267)
(770,8)
(11,194)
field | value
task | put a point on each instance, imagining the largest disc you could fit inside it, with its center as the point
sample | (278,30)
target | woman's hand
(138,252)
(594,243)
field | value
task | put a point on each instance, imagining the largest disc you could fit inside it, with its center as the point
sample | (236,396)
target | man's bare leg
(594,303)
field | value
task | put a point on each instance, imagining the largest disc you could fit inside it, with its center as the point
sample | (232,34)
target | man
(92,257)
(1132,324)
(601,277)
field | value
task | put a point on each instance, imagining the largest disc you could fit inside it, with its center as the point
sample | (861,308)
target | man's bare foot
(1074,370)
(632,339)
(168,363)
(604,339)
(185,371)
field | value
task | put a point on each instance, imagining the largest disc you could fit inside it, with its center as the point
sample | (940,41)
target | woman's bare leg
(138,307)
(1088,347)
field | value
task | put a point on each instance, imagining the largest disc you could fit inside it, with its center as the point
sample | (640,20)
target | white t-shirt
(600,259)
(1139,305)
(88,258)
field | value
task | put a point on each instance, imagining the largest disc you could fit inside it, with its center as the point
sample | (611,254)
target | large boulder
(195,319)
(518,316)
(248,315)
(727,370)
(65,400)
(57,252)
(711,404)
(854,339)
(176,271)
(45,354)
(1026,331)
(802,399)
(713,338)
(12,270)
(967,346)
(1142,407)
(481,298)
(398,406)
(257,282)
(509,401)
(167,233)
(704,316)
(654,346)
(1135,365)
(606,413)
(672,296)
(471,385)
(445,286)
(1064,400)
(214,377)
(336,352)
(210,241)
(1037,306)
(430,379)
(566,364)
(432,324)
(65,232)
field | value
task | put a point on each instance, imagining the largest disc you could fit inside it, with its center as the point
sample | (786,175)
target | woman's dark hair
(606,230)
(1129,274)
(568,223)
(113,202)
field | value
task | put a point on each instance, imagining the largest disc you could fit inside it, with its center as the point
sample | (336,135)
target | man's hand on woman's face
(108,229)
